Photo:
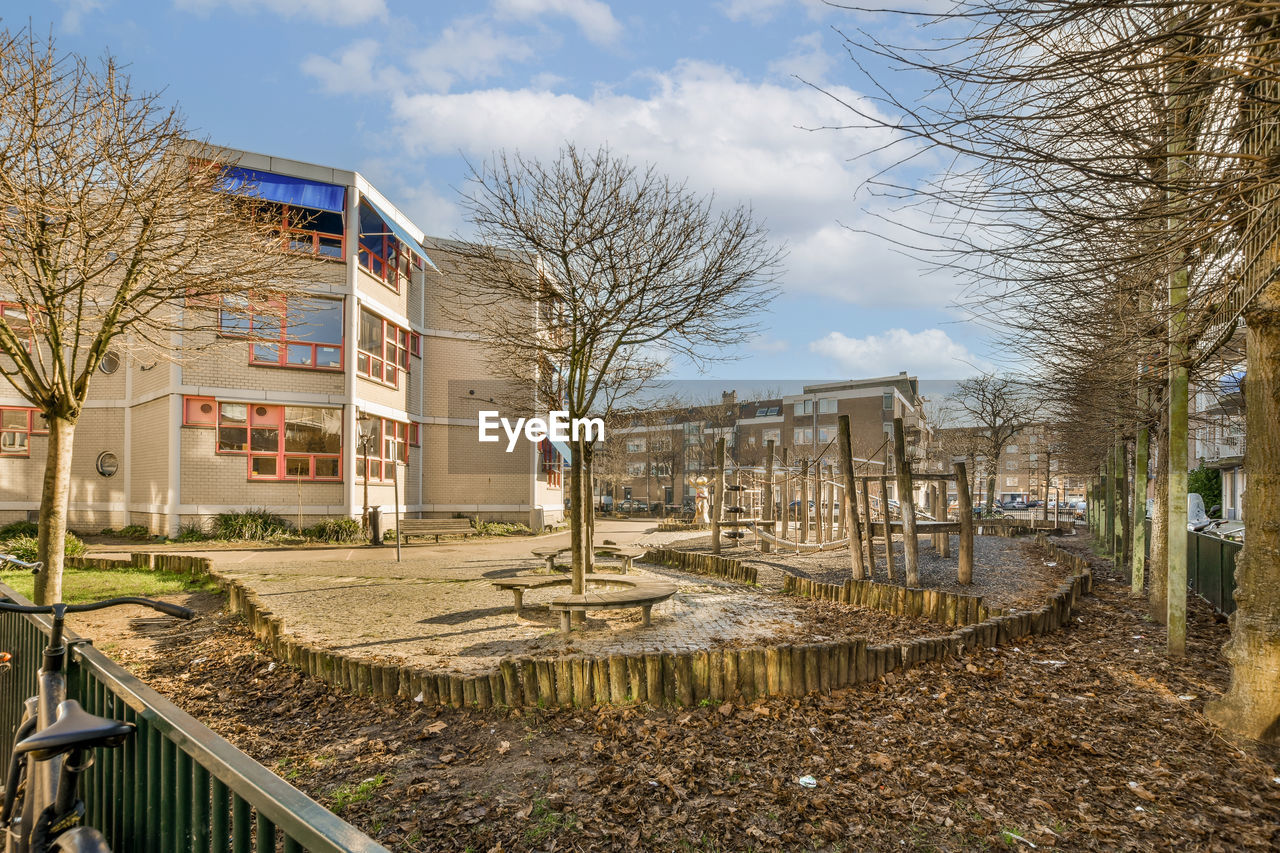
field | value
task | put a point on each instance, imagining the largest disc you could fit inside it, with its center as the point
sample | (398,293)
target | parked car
(1081,510)
(795,506)
(1016,505)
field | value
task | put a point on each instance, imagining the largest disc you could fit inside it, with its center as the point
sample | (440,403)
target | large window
(382,254)
(283,442)
(302,332)
(826,405)
(385,442)
(383,349)
(17,425)
(802,436)
(301,229)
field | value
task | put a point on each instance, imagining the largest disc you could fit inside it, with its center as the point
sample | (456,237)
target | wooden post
(832,532)
(766,511)
(844,445)
(866,531)
(784,498)
(964,574)
(906,502)
(819,493)
(804,501)
(888,526)
(717,495)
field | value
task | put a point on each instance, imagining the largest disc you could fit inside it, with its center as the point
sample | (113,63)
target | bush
(191,531)
(251,525)
(130,531)
(335,530)
(14,529)
(500,528)
(26,548)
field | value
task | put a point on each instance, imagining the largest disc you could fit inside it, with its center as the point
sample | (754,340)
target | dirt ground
(1090,739)
(1007,573)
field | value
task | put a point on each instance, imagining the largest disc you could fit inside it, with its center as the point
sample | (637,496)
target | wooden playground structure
(774,503)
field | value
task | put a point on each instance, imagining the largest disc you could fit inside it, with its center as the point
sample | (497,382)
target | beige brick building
(270,414)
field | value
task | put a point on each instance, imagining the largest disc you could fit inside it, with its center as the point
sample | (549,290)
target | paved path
(438,609)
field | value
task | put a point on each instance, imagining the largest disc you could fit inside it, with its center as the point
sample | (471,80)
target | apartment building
(664,451)
(1031,459)
(1218,436)
(355,388)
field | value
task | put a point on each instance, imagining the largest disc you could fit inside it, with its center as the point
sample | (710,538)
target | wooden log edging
(703,564)
(681,526)
(945,608)
(658,679)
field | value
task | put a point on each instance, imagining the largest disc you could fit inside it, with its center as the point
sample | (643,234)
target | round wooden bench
(640,592)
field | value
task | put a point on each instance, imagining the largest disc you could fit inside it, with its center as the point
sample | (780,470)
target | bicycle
(40,806)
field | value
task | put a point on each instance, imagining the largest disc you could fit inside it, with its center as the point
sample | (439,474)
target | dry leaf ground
(1090,739)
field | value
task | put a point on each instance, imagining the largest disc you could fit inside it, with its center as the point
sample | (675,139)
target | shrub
(335,530)
(14,529)
(26,548)
(130,531)
(500,528)
(251,525)
(192,531)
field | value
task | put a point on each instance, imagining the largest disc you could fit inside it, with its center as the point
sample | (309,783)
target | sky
(743,99)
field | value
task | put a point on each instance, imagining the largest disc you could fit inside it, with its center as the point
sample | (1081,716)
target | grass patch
(547,822)
(82,585)
(349,795)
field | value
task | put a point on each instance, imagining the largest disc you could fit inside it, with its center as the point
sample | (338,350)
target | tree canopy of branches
(111,226)
(997,408)
(592,274)
(1111,209)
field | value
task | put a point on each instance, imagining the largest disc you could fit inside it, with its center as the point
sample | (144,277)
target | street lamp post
(366,438)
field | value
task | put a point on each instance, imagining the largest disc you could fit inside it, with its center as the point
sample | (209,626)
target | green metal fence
(175,785)
(1211,567)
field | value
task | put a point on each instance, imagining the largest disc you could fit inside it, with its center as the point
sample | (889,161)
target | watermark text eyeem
(557,426)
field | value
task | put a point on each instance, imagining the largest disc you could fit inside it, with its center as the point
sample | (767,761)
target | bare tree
(112,227)
(998,407)
(622,270)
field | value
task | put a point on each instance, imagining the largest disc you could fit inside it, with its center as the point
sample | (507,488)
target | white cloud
(353,71)
(341,12)
(75,11)
(593,17)
(930,353)
(743,140)
(807,60)
(768,344)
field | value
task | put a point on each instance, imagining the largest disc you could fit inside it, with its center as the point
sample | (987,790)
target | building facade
(348,390)
(663,452)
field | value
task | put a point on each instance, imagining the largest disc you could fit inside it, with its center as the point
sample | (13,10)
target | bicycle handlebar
(175,610)
(22,564)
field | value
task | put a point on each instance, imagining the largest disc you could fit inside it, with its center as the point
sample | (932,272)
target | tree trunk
(1251,705)
(55,495)
(1138,563)
(1158,567)
(1122,500)
(577,518)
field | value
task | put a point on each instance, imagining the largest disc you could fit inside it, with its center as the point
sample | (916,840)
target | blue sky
(407,92)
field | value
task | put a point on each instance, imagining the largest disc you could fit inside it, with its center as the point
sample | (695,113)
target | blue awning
(563,450)
(281,188)
(400,234)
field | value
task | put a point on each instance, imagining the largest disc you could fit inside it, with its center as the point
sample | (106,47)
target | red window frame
(264,425)
(28,429)
(414,436)
(394,355)
(307,241)
(272,330)
(385,258)
(415,345)
(388,434)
